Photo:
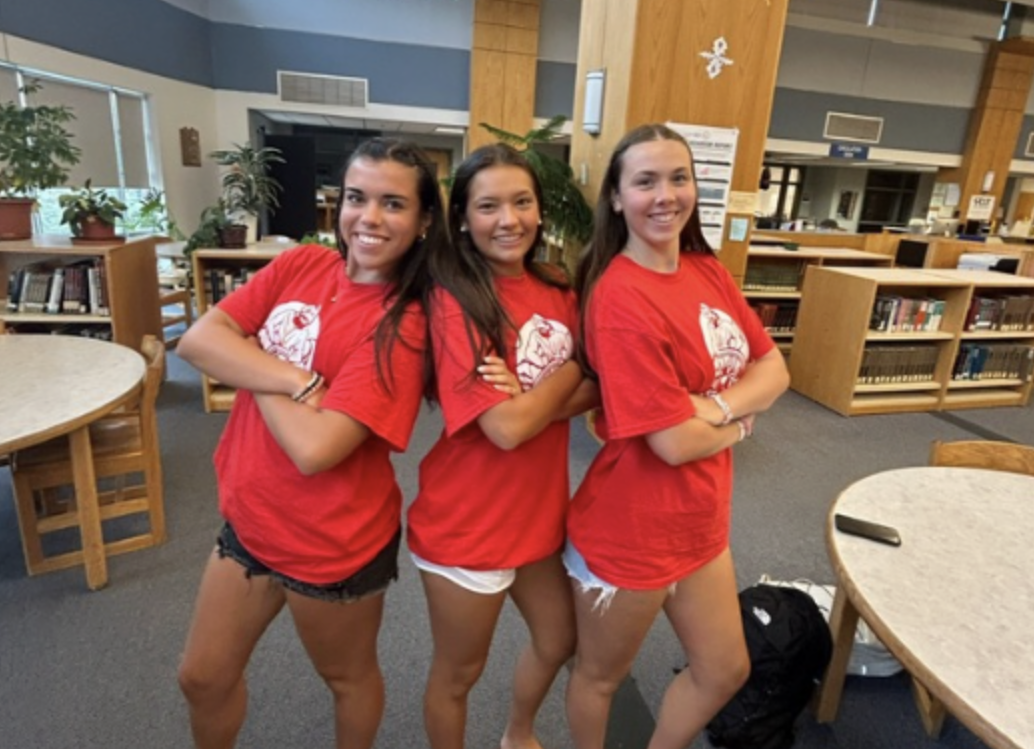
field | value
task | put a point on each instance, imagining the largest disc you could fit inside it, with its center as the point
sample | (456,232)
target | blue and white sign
(848,151)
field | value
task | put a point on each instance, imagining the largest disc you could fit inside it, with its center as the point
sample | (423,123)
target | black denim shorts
(373,578)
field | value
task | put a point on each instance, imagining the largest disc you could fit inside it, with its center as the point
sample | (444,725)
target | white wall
(173,105)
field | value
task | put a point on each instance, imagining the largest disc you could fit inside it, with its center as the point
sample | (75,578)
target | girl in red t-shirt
(684,366)
(326,349)
(489,516)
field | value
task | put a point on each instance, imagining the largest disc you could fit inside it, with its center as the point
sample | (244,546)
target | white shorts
(486,582)
(589,582)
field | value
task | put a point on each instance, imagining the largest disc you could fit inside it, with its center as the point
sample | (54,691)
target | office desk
(954,602)
(54,385)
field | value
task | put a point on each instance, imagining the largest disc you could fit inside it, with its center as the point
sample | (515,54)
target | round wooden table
(53,385)
(954,602)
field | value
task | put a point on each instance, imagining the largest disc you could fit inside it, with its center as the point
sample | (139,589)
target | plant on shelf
(216,229)
(248,190)
(91,213)
(153,216)
(566,213)
(36,152)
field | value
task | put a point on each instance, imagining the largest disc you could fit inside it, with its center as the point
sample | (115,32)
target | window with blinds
(111,130)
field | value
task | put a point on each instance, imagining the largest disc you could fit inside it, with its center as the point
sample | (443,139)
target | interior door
(296,215)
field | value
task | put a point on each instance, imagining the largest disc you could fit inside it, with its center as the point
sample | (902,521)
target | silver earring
(463,228)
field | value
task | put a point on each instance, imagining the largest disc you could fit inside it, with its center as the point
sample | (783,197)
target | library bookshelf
(130,278)
(216,273)
(834,341)
(773,280)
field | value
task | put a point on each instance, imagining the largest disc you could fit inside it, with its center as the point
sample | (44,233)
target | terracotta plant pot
(16,218)
(94,228)
(234,237)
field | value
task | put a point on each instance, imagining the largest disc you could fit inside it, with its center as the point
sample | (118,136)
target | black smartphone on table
(884,534)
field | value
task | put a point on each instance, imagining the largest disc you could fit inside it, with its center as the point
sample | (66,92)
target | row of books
(994,361)
(892,313)
(777,318)
(84,330)
(79,287)
(1015,312)
(888,364)
(219,282)
(762,276)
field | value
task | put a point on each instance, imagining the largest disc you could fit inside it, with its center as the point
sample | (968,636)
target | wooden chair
(174,296)
(993,456)
(125,444)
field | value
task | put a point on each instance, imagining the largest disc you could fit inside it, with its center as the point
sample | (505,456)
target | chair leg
(931,710)
(32,547)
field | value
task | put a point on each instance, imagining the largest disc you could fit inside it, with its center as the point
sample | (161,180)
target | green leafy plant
(566,213)
(152,215)
(87,204)
(36,150)
(316,238)
(212,221)
(247,186)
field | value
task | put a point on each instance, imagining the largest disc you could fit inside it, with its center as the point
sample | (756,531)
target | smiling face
(381,217)
(656,194)
(503,217)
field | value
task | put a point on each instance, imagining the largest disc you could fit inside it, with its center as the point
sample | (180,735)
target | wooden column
(502,67)
(996,121)
(652,51)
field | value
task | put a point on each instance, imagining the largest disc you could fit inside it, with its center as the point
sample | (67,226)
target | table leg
(843,620)
(89,508)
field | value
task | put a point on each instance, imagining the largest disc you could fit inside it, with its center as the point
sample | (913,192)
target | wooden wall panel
(502,67)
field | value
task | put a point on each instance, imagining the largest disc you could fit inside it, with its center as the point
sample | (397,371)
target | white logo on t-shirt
(291,331)
(542,348)
(727,345)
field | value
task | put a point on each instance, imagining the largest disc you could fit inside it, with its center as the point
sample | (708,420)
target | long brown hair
(465,273)
(412,281)
(610,230)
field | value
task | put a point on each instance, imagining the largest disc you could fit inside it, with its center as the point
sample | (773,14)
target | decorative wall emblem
(716,59)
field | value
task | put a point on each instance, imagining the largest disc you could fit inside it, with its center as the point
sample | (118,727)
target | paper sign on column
(714,157)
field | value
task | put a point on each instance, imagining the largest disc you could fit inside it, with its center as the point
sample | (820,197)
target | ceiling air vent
(304,88)
(1029,150)
(853,127)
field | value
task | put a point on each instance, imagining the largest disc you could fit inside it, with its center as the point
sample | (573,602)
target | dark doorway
(296,216)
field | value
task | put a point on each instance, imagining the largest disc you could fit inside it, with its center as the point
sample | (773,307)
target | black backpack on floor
(790,646)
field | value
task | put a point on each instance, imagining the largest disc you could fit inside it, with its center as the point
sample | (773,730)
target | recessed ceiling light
(446,130)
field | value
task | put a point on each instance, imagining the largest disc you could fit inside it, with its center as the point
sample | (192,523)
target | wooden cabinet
(773,279)
(130,281)
(217,273)
(835,342)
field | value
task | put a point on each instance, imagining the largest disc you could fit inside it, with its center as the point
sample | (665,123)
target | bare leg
(341,640)
(705,613)
(462,625)
(543,596)
(230,615)
(607,646)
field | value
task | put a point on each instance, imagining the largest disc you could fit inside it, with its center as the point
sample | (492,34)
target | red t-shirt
(480,507)
(320,528)
(654,338)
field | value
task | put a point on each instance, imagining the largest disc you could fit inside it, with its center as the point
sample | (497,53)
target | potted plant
(217,229)
(248,190)
(566,214)
(91,213)
(36,153)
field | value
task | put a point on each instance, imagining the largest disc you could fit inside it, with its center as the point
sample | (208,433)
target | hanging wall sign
(714,157)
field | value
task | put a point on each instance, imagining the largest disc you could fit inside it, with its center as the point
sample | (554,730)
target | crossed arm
(314,439)
(703,435)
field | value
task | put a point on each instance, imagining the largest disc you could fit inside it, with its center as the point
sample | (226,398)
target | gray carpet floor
(98,669)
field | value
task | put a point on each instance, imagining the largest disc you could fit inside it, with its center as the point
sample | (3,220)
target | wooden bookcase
(833,333)
(776,262)
(132,285)
(209,264)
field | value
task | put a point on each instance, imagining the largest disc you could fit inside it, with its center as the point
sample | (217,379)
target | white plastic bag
(869,656)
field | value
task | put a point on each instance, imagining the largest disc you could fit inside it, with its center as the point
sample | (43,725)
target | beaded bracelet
(720,402)
(310,387)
